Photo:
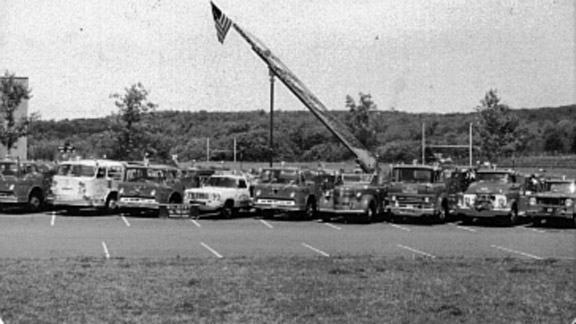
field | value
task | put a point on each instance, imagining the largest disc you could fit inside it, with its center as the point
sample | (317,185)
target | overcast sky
(411,55)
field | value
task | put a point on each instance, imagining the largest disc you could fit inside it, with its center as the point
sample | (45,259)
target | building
(20,149)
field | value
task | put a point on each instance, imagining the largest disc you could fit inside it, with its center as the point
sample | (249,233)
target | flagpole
(271,117)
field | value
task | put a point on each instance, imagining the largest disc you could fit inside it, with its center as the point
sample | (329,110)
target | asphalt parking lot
(56,235)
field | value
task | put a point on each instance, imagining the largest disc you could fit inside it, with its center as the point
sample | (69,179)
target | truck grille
(198,195)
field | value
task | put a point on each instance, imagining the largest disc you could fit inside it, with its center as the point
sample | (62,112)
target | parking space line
(401,227)
(52,221)
(106,253)
(125,220)
(464,228)
(316,250)
(266,223)
(333,226)
(195,223)
(533,229)
(218,255)
(517,252)
(416,251)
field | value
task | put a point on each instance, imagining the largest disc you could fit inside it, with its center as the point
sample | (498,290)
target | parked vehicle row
(423,192)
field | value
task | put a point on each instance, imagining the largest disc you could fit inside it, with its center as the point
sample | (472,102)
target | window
(242,184)
(115,173)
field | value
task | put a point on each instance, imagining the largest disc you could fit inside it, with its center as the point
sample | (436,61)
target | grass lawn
(355,289)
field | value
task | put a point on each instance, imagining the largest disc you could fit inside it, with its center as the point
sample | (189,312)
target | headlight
(393,198)
(11,187)
(569,202)
(153,193)
(258,192)
(532,201)
(359,195)
(426,199)
(292,195)
(121,191)
(502,202)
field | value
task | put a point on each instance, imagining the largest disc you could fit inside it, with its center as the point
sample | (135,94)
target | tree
(133,105)
(12,93)
(554,140)
(359,121)
(499,131)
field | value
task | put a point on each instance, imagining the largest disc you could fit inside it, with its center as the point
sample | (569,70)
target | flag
(223,23)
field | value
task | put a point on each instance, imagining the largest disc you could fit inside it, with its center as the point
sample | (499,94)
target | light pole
(271,117)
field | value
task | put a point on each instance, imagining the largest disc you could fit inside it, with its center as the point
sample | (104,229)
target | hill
(297,135)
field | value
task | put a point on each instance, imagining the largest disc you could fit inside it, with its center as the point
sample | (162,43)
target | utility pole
(271,117)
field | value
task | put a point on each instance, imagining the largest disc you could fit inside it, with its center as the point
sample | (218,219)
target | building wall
(20,149)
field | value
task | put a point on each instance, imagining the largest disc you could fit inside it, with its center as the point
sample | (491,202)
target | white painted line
(333,226)
(517,252)
(218,255)
(52,220)
(535,230)
(266,223)
(401,227)
(416,251)
(125,220)
(464,228)
(105,250)
(316,250)
(195,223)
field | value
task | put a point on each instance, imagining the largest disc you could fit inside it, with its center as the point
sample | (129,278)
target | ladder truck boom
(364,157)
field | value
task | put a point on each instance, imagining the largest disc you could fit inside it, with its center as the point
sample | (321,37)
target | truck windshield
(413,175)
(76,170)
(564,187)
(493,177)
(221,182)
(144,174)
(278,176)
(356,178)
(8,168)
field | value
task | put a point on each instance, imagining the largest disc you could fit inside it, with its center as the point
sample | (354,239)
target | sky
(411,55)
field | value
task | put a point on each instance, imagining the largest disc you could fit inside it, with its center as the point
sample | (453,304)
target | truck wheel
(310,212)
(466,220)
(111,204)
(440,216)
(228,210)
(35,202)
(267,214)
(368,216)
(512,218)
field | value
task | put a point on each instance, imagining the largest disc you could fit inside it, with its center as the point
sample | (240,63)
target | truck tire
(228,210)
(310,211)
(35,201)
(111,206)
(512,218)
(369,214)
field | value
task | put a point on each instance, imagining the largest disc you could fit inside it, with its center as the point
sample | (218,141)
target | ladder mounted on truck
(366,159)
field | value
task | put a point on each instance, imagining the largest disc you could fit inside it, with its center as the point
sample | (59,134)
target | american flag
(223,23)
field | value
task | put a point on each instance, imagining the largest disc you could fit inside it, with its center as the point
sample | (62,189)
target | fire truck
(496,194)
(422,191)
(292,190)
(554,201)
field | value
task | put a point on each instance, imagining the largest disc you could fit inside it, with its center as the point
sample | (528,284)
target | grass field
(360,289)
